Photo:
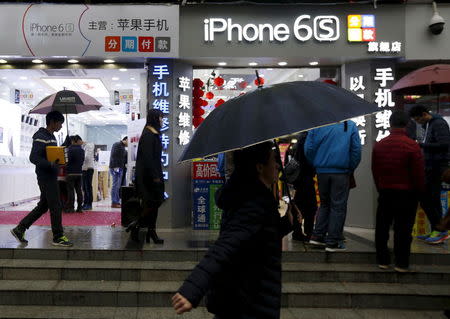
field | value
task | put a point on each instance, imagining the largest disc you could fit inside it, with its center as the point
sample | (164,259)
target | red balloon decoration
(204,103)
(209,95)
(219,102)
(259,81)
(218,81)
(243,84)
(198,112)
(197,92)
(197,121)
(197,83)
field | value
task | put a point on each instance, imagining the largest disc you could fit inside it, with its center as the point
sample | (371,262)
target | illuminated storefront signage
(383,98)
(184,117)
(357,86)
(304,28)
(361,27)
(161,95)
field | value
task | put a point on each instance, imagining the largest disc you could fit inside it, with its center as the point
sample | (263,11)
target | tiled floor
(109,237)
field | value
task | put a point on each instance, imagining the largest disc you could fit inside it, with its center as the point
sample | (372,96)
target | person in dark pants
(241,273)
(149,176)
(46,173)
(436,146)
(75,154)
(398,172)
(88,173)
(117,161)
(305,193)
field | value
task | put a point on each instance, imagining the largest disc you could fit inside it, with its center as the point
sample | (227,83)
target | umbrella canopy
(272,112)
(68,102)
(432,79)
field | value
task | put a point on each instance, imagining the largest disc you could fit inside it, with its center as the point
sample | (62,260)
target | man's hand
(181,304)
(55,162)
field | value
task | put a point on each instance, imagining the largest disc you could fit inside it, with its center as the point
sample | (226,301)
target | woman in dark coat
(241,273)
(149,176)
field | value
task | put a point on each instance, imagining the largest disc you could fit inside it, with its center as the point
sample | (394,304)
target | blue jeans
(116,183)
(333,191)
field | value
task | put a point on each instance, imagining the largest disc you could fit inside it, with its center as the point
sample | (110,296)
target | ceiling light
(37,61)
(282,63)
(222,63)
(123,70)
(109,61)
(269,69)
(300,75)
(72,61)
(118,84)
(3,61)
(91,86)
(132,79)
(253,64)
(23,78)
(4,78)
(115,78)
(313,63)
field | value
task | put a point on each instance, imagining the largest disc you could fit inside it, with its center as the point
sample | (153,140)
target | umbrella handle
(280,162)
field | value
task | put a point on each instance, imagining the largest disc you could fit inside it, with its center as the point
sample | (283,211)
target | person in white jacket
(88,173)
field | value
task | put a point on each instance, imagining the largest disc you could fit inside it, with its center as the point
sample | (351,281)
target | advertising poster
(90,30)
(206,181)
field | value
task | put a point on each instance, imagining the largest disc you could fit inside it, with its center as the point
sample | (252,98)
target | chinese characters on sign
(383,98)
(384,47)
(184,118)
(161,93)
(357,86)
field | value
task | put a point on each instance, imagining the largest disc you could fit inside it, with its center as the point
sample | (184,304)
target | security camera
(437,22)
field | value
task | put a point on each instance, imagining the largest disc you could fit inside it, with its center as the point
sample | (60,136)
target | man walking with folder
(47,173)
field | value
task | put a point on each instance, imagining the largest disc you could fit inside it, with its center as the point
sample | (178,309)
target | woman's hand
(181,304)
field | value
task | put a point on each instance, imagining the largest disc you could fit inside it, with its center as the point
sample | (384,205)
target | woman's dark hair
(75,138)
(418,110)
(153,116)
(245,160)
(54,116)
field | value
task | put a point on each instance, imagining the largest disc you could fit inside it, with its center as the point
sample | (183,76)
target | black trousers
(49,200)
(431,199)
(305,199)
(396,207)
(148,216)
(87,186)
(74,183)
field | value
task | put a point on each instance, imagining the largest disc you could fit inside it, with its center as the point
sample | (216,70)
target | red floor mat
(87,218)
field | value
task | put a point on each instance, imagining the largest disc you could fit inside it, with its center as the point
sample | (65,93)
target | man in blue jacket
(335,152)
(47,173)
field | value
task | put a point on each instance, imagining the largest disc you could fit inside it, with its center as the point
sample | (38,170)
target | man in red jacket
(398,172)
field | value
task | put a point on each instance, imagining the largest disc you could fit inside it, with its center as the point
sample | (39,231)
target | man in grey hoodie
(435,145)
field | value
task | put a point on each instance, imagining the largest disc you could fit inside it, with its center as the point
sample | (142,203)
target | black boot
(151,233)
(133,228)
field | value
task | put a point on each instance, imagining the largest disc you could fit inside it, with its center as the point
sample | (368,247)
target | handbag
(292,170)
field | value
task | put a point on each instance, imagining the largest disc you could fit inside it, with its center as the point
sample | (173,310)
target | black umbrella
(272,112)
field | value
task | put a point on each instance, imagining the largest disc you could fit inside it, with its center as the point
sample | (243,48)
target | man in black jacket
(117,162)
(47,173)
(435,145)
(75,155)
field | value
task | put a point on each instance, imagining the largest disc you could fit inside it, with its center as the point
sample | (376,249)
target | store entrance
(118,90)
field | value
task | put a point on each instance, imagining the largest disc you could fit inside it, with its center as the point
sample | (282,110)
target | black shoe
(19,234)
(298,236)
(79,210)
(133,228)
(151,233)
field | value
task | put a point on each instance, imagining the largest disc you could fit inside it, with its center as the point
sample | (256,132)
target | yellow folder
(56,152)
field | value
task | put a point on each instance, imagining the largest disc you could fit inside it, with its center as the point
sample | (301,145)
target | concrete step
(161,254)
(28,269)
(158,294)
(201,313)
